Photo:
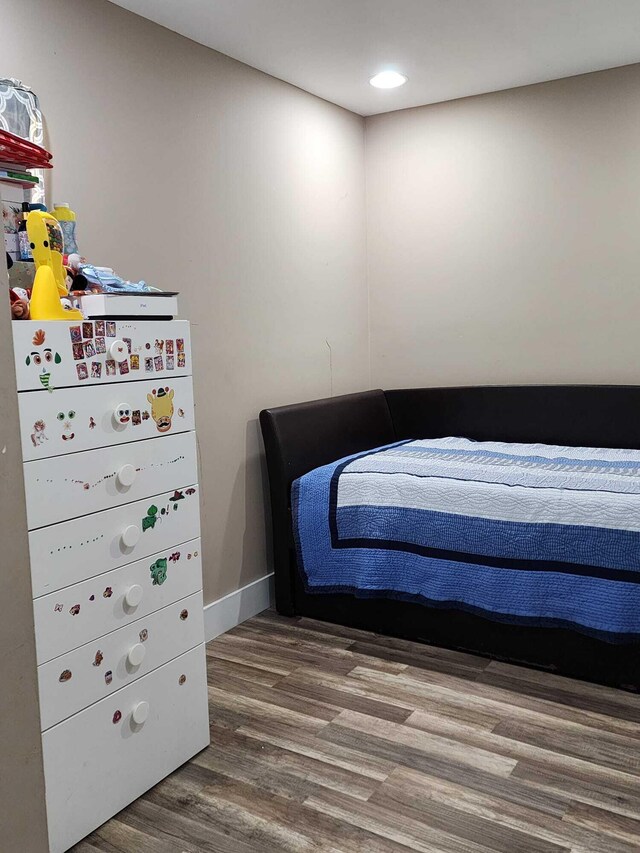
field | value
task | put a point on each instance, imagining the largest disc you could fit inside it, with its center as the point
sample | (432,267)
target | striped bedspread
(525,533)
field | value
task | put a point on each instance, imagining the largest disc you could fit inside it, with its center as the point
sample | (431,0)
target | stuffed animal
(19,304)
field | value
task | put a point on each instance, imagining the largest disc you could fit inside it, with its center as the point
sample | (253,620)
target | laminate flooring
(326,738)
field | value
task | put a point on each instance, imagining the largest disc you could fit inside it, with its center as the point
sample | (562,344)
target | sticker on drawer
(78,678)
(77,484)
(73,551)
(59,354)
(78,614)
(101,759)
(73,419)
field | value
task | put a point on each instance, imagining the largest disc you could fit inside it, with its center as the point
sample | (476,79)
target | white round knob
(122,415)
(140,713)
(118,350)
(136,654)
(130,536)
(126,475)
(133,596)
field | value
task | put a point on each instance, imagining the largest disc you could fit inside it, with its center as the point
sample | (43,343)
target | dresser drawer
(99,760)
(64,487)
(66,553)
(61,354)
(79,678)
(75,419)
(79,614)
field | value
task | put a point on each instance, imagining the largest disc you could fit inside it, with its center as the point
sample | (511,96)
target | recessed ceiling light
(388,80)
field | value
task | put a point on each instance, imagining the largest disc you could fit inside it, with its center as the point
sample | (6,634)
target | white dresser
(109,452)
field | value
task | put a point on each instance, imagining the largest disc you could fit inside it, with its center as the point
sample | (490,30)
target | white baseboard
(232,609)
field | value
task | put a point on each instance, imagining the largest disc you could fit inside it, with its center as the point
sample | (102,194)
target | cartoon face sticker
(123,414)
(42,359)
(161,408)
(67,431)
(38,435)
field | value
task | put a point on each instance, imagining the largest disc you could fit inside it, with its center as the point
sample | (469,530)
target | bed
(498,520)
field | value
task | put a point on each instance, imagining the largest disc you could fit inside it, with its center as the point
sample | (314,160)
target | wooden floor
(329,739)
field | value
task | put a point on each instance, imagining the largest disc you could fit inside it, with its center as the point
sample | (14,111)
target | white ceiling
(447,48)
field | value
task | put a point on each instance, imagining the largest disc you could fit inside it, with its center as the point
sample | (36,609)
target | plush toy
(19,304)
(49,283)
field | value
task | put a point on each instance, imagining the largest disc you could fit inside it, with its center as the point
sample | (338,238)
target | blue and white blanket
(526,533)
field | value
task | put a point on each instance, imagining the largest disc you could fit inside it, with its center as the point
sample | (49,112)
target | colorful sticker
(177,496)
(92,423)
(111,329)
(170,362)
(159,571)
(159,346)
(190,491)
(110,367)
(117,716)
(144,635)
(182,680)
(78,352)
(99,657)
(58,608)
(76,334)
(148,365)
(184,614)
(96,370)
(100,345)
(87,329)
(150,519)
(82,371)
(67,433)
(74,610)
(65,675)
(42,360)
(136,420)
(38,435)
(108,677)
(89,349)
(127,341)
(145,415)
(134,362)
(158,363)
(180,413)
(181,360)
(100,328)
(107,593)
(124,367)
(180,345)
(174,557)
(161,408)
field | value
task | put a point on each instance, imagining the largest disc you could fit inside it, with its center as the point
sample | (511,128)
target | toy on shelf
(45,239)
(19,304)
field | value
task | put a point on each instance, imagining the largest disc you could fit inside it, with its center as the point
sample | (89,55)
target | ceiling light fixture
(388,80)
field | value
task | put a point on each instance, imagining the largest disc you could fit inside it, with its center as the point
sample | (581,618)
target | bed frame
(301,437)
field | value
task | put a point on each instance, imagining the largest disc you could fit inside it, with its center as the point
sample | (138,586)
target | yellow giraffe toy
(49,283)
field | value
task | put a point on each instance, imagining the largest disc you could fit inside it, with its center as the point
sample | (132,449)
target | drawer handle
(122,415)
(140,713)
(133,596)
(126,475)
(130,536)
(136,654)
(118,350)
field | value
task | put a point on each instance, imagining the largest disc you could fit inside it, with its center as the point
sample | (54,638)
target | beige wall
(504,236)
(22,813)
(198,173)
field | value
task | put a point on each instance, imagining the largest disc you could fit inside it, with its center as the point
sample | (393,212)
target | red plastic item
(21,152)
